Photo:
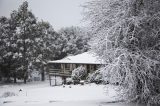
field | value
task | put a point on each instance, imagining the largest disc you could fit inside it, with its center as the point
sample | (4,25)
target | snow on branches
(126,35)
(79,73)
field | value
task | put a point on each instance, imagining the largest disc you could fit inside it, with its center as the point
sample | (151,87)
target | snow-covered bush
(69,81)
(79,73)
(95,77)
(8,94)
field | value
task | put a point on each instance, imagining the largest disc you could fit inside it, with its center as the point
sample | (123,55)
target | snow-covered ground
(41,94)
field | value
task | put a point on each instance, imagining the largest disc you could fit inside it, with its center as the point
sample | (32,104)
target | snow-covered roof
(84,58)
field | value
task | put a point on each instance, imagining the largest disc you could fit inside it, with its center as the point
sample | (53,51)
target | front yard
(41,94)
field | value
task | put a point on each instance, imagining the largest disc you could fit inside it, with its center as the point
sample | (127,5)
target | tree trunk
(15,78)
(25,77)
(42,75)
(25,80)
(8,79)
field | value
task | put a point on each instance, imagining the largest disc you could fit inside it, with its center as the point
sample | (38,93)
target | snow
(84,58)
(44,95)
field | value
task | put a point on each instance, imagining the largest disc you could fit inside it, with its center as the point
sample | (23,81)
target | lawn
(41,94)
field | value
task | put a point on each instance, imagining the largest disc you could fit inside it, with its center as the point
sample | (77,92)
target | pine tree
(4,24)
(26,23)
(8,48)
(74,40)
(46,45)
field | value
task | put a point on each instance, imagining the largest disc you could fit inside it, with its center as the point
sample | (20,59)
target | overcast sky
(59,13)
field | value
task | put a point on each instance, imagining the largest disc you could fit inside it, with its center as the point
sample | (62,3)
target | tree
(126,35)
(74,40)
(26,43)
(4,26)
(8,48)
(46,45)
(26,23)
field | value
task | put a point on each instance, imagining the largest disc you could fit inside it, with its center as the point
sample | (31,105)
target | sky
(59,13)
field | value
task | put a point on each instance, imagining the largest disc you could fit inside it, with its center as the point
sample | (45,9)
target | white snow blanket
(42,94)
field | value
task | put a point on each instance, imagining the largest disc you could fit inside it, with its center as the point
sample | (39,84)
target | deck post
(50,80)
(63,67)
(55,81)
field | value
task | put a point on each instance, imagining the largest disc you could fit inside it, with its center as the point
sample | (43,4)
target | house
(63,68)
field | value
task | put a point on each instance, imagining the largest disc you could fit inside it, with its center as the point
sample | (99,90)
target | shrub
(79,73)
(8,94)
(69,81)
(95,77)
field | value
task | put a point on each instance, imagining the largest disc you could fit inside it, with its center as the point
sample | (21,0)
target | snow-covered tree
(26,43)
(26,23)
(126,35)
(46,45)
(74,40)
(9,55)
(4,55)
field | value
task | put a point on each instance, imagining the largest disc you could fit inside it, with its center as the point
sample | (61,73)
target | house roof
(84,58)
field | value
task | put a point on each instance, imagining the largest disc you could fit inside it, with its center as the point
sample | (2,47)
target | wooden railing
(59,72)
(55,70)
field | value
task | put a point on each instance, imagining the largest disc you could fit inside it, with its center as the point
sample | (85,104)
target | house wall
(65,70)
(68,68)
(89,67)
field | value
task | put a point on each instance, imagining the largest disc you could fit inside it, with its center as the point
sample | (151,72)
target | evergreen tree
(26,23)
(46,45)
(4,26)
(8,48)
(74,40)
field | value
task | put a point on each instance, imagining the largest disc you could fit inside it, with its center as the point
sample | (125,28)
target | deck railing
(59,72)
